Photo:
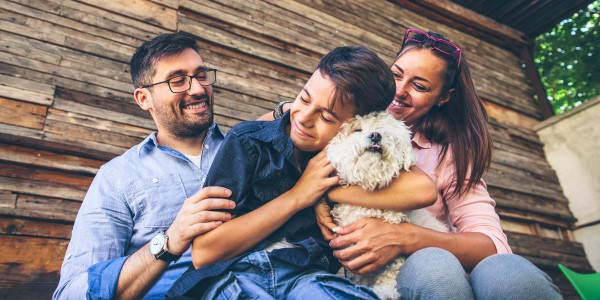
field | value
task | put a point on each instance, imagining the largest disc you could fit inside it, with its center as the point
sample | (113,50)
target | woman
(436,97)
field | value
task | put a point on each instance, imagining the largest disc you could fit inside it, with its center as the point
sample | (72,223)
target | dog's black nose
(375,137)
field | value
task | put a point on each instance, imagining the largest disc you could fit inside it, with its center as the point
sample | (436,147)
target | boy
(274,249)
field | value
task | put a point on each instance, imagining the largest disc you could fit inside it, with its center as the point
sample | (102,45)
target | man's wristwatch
(278,111)
(158,248)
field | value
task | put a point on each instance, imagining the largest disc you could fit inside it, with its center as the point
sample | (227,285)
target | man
(132,235)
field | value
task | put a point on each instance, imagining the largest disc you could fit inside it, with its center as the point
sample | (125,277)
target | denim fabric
(260,276)
(131,198)
(256,163)
(434,273)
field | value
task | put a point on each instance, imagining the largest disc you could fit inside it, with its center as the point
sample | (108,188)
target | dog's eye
(358,130)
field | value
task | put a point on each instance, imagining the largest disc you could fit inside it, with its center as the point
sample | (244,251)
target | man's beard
(184,128)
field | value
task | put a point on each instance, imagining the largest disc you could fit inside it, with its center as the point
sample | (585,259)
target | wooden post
(542,99)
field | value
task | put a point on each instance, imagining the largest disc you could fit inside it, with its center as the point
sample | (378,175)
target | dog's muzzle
(375,146)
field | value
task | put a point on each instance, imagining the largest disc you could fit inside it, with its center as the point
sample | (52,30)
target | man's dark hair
(360,78)
(143,61)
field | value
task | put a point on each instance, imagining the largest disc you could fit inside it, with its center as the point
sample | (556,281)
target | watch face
(157,243)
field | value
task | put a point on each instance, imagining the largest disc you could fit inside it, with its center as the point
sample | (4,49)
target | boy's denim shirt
(256,163)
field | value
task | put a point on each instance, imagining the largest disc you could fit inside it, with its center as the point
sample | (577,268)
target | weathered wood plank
(98,122)
(22,113)
(34,228)
(59,71)
(41,188)
(76,181)
(49,159)
(232,41)
(146,11)
(8,199)
(60,35)
(30,266)
(33,74)
(53,13)
(99,17)
(25,95)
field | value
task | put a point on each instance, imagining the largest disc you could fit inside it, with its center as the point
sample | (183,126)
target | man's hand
(324,220)
(197,216)
(369,244)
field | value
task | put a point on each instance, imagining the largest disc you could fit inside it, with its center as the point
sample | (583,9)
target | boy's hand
(197,216)
(314,182)
(324,220)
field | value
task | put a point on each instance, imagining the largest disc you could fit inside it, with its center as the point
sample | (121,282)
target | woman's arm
(242,233)
(370,244)
(282,107)
(408,191)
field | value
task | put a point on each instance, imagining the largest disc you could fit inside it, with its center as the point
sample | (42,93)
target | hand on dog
(369,244)
(324,219)
(197,216)
(314,181)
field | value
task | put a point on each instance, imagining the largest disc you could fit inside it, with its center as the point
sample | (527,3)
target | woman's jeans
(434,273)
(258,276)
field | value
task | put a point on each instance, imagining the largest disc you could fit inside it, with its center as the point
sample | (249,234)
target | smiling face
(419,85)
(312,123)
(179,115)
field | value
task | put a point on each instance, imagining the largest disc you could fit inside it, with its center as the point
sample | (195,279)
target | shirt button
(206,146)
(155,180)
(68,256)
(203,179)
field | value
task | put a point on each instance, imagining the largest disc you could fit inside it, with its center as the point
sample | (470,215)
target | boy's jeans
(257,276)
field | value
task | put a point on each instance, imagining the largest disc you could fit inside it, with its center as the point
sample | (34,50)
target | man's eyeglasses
(182,84)
(442,46)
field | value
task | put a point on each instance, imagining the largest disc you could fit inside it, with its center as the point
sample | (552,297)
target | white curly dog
(370,151)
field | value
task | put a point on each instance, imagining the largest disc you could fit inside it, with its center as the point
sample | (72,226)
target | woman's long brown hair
(459,124)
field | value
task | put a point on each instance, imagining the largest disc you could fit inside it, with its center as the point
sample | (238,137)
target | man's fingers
(209,216)
(214,204)
(202,228)
(211,192)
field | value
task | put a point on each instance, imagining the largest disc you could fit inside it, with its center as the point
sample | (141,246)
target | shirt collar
(421,141)
(214,132)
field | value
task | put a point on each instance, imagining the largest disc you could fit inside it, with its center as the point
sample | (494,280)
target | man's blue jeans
(434,273)
(257,276)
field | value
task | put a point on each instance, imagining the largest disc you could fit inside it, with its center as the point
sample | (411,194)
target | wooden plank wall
(66,107)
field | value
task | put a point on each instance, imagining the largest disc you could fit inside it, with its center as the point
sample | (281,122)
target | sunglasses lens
(447,48)
(417,36)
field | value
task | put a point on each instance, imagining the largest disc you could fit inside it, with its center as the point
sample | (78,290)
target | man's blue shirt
(131,198)
(256,162)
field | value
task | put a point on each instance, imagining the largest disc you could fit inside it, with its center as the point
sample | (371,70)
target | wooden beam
(542,99)
(468,21)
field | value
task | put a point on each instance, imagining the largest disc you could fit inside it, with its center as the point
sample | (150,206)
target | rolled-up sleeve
(101,235)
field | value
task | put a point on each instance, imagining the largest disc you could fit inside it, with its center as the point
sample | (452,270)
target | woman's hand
(324,219)
(369,244)
(314,181)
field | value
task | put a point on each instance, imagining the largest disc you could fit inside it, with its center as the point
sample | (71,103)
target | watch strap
(278,112)
(167,257)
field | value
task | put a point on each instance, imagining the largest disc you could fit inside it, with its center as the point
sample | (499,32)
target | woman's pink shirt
(473,211)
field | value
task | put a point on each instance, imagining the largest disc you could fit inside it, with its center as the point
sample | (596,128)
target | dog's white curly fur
(370,151)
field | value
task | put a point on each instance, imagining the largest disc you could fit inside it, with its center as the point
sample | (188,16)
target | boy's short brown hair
(360,78)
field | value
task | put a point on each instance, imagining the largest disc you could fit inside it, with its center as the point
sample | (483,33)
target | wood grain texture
(66,105)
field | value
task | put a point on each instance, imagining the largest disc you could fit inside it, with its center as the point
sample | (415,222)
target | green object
(586,285)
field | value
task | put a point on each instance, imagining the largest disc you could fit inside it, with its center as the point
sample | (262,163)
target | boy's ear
(446,97)
(143,98)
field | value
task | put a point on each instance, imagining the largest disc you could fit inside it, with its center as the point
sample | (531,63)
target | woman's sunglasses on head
(440,45)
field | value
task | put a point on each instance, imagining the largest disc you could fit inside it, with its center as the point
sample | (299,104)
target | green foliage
(568,59)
